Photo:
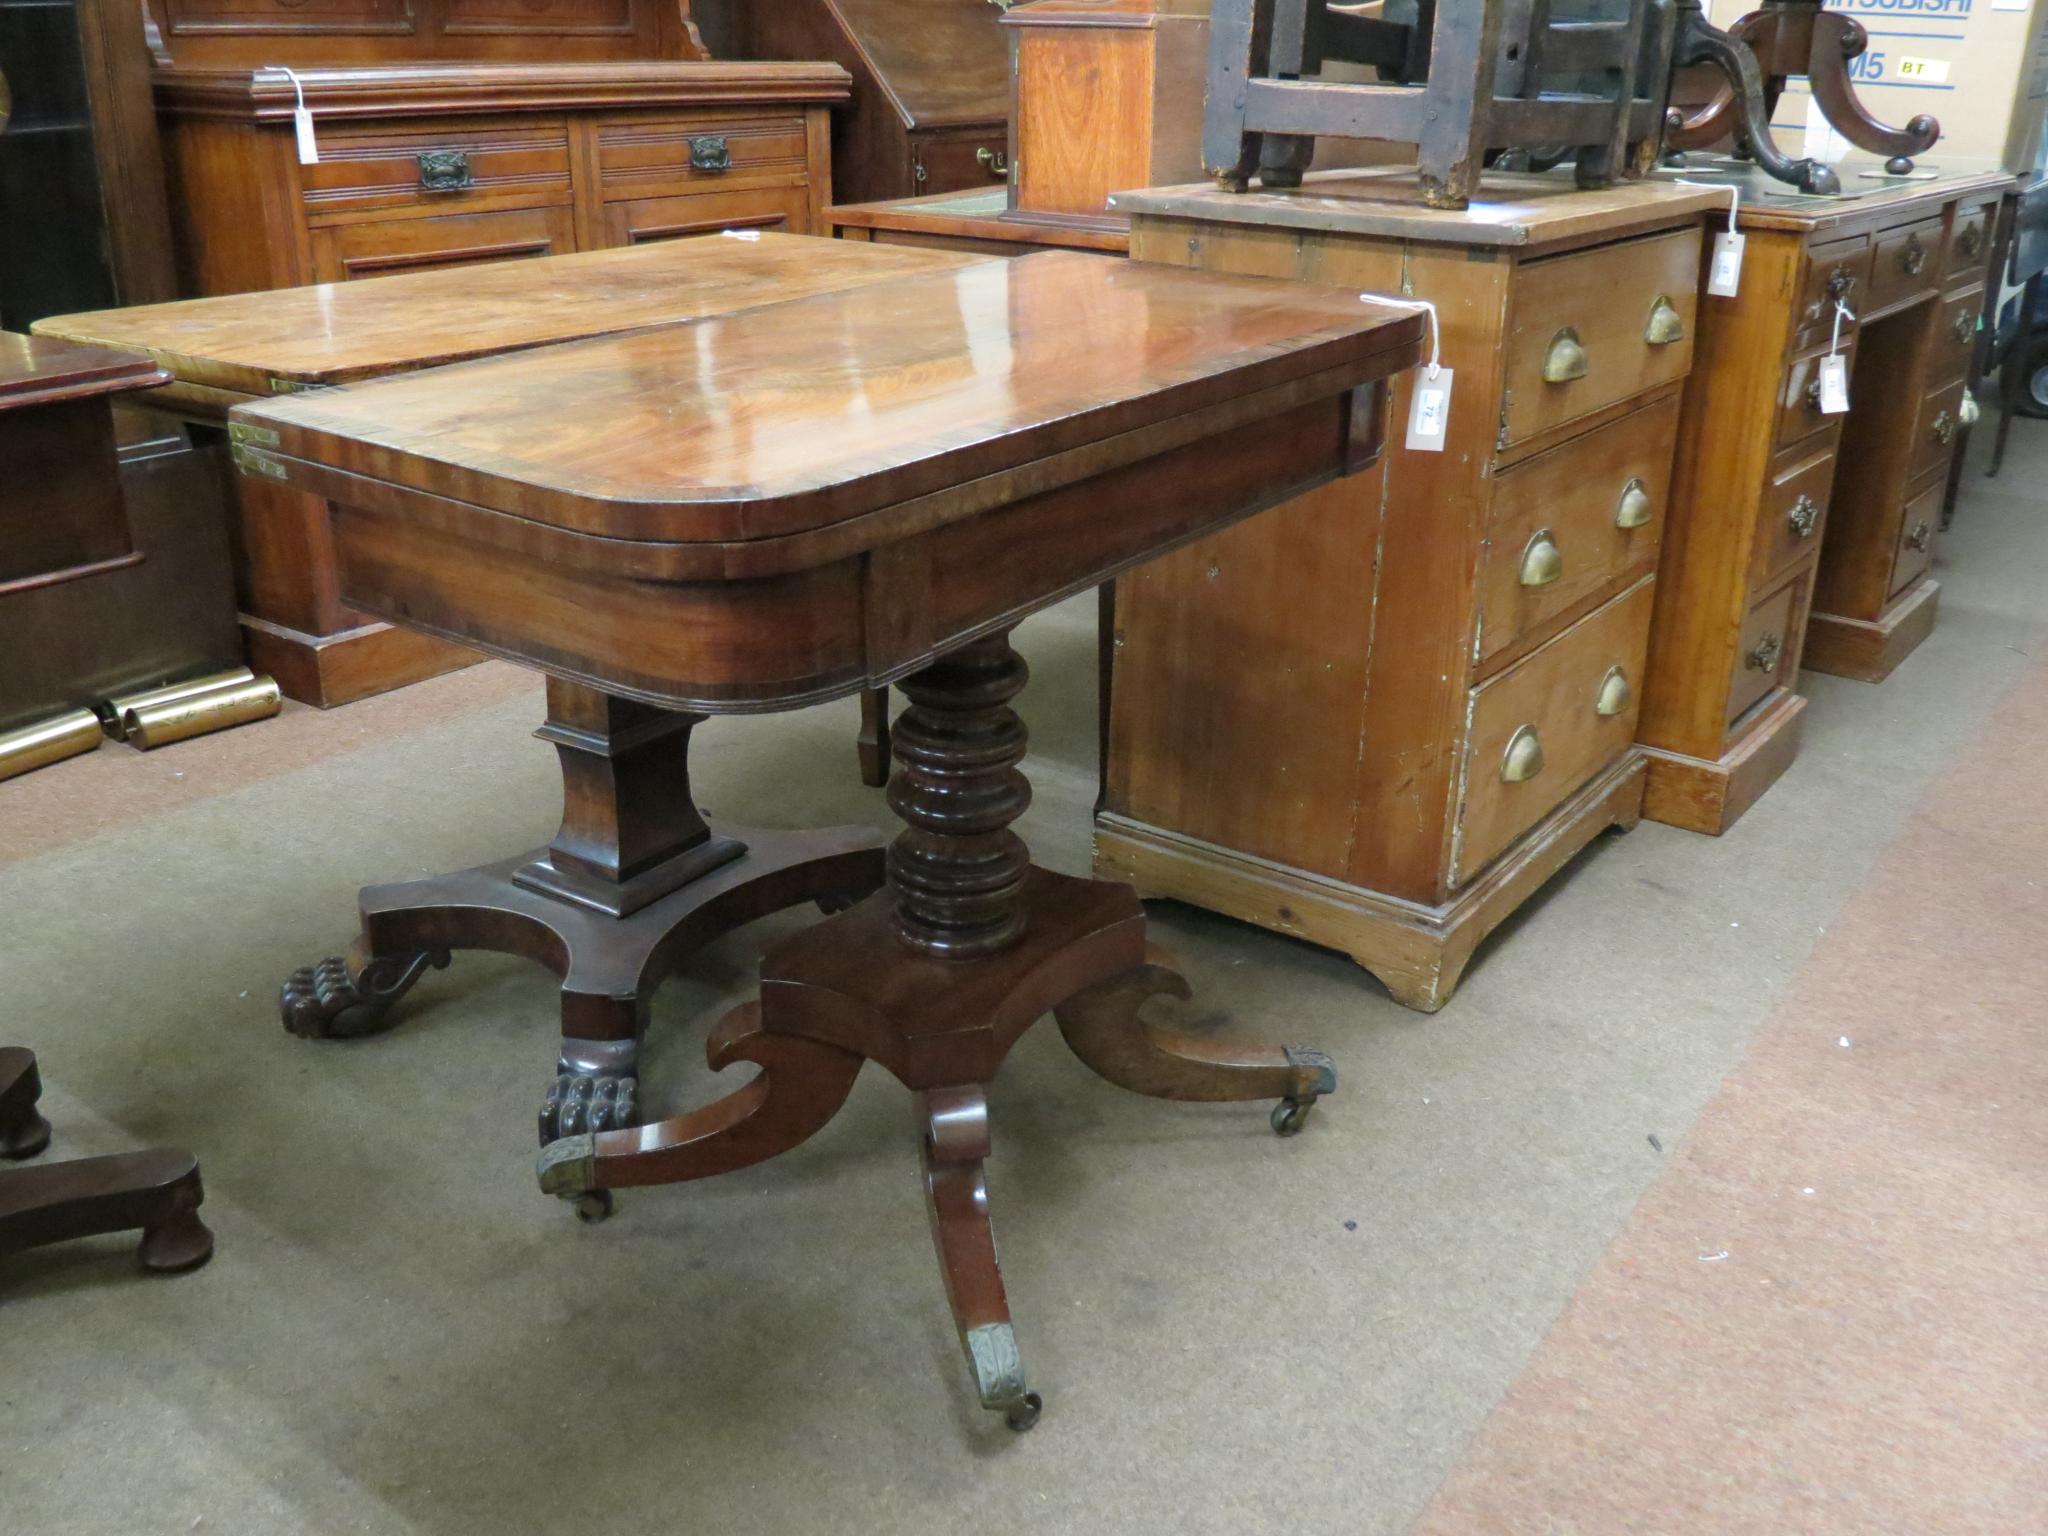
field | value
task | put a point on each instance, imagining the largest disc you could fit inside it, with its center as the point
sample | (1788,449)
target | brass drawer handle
(1944,429)
(1542,560)
(1965,328)
(1613,697)
(710,152)
(1565,359)
(1523,759)
(1912,256)
(1920,537)
(1634,509)
(1971,240)
(1841,283)
(994,161)
(1765,657)
(445,170)
(1804,516)
(1666,324)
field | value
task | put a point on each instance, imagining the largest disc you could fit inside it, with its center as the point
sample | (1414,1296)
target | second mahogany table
(789,504)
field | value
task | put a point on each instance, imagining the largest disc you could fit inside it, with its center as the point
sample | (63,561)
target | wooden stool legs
(935,978)
(157,1191)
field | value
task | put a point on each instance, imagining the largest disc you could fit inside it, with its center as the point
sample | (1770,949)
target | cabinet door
(641,219)
(346,251)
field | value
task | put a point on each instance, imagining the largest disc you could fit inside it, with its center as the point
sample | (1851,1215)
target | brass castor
(593,1205)
(1024,1412)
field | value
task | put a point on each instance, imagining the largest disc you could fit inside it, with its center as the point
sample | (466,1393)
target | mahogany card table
(807,497)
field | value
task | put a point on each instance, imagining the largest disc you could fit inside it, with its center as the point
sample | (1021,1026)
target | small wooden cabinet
(1798,537)
(931,88)
(1382,715)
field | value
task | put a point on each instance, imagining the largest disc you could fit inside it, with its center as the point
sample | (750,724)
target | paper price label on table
(1923,71)
(1429,414)
(1724,270)
(1834,384)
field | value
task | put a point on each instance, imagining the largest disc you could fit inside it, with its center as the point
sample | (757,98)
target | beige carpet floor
(1476,1293)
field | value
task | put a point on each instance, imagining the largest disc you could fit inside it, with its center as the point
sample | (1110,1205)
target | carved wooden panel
(581,18)
(190,16)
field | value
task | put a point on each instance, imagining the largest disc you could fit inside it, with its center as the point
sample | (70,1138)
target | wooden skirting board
(1869,651)
(1710,797)
(1418,952)
(327,670)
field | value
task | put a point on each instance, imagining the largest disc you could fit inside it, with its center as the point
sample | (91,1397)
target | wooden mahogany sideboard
(1787,524)
(1380,717)
(931,88)
(451,165)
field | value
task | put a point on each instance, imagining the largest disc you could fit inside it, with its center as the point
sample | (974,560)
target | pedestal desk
(811,496)
(1380,718)
(1789,525)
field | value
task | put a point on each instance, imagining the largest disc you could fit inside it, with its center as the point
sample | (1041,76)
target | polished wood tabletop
(37,370)
(334,333)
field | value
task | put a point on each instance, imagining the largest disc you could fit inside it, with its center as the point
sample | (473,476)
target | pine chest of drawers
(1380,717)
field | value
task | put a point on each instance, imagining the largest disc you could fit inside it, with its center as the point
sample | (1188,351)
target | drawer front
(1917,526)
(1905,264)
(1595,327)
(1799,412)
(1969,244)
(1545,726)
(1935,428)
(1573,522)
(1767,654)
(460,164)
(378,249)
(1792,510)
(962,162)
(1837,269)
(641,219)
(668,156)
(1955,335)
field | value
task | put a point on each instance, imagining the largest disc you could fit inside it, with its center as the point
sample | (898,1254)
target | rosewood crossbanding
(808,498)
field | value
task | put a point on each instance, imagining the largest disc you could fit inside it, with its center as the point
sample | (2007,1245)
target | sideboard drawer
(1792,510)
(1905,264)
(1595,327)
(1935,428)
(1839,269)
(1543,727)
(379,248)
(460,164)
(1765,654)
(642,219)
(659,157)
(1572,522)
(1955,335)
(1917,526)
(1969,244)
(1799,412)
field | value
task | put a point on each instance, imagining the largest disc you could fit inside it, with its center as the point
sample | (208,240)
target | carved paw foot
(329,1002)
(579,1104)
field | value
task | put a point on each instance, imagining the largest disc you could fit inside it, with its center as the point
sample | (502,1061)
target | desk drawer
(1573,522)
(641,219)
(1595,327)
(1840,269)
(960,162)
(662,157)
(1547,724)
(1799,412)
(1955,335)
(456,165)
(1917,525)
(1935,428)
(1969,244)
(380,248)
(1767,654)
(1905,264)
(1792,510)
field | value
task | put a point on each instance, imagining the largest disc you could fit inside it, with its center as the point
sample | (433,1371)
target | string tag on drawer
(1429,411)
(302,115)
(1724,263)
(1834,369)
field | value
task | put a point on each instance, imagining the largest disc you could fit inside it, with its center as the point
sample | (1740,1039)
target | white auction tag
(1429,414)
(1724,269)
(302,125)
(1834,384)
(1923,71)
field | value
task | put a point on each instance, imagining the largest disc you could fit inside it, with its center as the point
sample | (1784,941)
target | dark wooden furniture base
(350,664)
(633,884)
(156,1191)
(1710,795)
(935,978)
(1869,650)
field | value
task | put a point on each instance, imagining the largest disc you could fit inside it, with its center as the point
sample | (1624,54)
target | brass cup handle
(1920,537)
(1564,359)
(1634,509)
(1765,657)
(1613,696)
(1971,240)
(1944,429)
(1542,560)
(1803,516)
(1912,256)
(994,161)
(1523,759)
(1665,324)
